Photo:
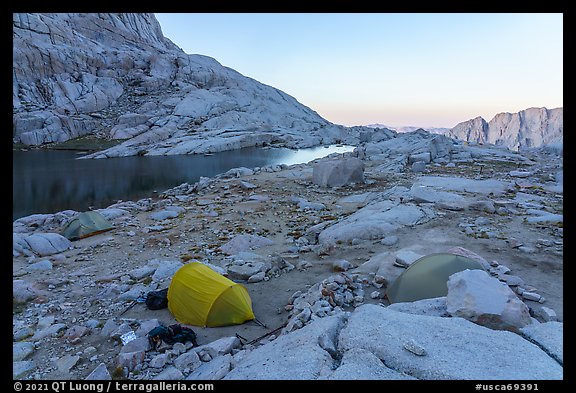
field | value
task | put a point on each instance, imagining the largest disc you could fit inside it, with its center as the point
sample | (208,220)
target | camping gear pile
(171,335)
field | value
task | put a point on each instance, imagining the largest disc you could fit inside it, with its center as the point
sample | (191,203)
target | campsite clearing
(69,307)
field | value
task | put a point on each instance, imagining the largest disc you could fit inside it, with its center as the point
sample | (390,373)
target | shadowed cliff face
(117,77)
(532,127)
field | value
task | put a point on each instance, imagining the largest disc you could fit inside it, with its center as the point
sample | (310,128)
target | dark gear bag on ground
(156,300)
(171,335)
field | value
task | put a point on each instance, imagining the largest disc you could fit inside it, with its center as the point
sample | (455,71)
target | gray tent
(86,224)
(427,277)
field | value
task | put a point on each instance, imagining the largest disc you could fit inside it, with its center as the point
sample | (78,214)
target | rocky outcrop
(39,243)
(394,151)
(471,130)
(117,77)
(302,355)
(532,127)
(454,348)
(338,173)
(374,222)
(474,295)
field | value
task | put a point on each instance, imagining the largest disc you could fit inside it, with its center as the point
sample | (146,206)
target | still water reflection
(47,181)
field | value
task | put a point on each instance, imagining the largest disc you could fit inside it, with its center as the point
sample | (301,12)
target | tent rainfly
(427,277)
(86,224)
(199,296)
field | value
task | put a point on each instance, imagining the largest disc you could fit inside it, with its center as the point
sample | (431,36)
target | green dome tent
(86,224)
(199,296)
(427,277)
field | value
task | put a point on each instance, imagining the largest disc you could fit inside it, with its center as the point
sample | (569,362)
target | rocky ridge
(316,260)
(116,77)
(432,130)
(532,127)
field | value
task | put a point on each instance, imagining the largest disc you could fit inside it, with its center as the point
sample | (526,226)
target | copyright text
(101,387)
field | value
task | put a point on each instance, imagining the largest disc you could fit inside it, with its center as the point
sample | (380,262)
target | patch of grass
(87,142)
(504,166)
(118,373)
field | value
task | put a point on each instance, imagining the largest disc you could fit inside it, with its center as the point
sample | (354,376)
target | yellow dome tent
(199,296)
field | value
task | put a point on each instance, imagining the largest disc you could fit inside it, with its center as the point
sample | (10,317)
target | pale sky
(397,69)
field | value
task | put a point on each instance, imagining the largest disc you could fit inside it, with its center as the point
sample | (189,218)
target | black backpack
(157,300)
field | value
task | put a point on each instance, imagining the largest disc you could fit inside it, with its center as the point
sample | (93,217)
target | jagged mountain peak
(532,127)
